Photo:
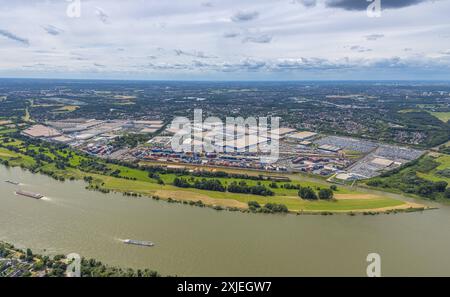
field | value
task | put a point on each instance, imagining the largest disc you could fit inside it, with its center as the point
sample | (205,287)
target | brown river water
(192,241)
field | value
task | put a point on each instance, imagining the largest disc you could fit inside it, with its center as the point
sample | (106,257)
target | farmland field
(443,116)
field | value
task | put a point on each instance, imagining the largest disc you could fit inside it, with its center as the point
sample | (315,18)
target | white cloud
(244,16)
(102,16)
(52,30)
(265,37)
(14,37)
(374,36)
(231,34)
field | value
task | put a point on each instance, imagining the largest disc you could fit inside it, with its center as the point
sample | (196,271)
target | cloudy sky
(225,39)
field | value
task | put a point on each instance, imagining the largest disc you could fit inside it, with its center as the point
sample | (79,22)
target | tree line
(216,185)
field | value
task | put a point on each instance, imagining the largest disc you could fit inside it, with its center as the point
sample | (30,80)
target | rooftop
(302,135)
(41,131)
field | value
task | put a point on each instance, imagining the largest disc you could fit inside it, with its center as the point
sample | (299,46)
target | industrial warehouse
(340,159)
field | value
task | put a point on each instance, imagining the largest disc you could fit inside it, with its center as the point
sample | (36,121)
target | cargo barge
(29,194)
(138,242)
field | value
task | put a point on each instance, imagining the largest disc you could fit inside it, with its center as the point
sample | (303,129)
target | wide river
(192,241)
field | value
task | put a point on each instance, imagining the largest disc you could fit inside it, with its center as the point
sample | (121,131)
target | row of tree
(308,193)
(244,188)
(254,206)
(203,184)
(216,185)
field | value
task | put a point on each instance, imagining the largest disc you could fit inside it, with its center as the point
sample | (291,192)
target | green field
(16,159)
(27,116)
(443,116)
(4,130)
(118,178)
(294,203)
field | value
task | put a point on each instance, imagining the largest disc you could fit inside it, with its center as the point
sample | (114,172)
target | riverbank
(15,262)
(196,241)
(133,180)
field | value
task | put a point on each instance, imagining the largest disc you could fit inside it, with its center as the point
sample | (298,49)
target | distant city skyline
(225,40)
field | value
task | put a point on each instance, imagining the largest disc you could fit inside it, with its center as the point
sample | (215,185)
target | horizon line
(224,80)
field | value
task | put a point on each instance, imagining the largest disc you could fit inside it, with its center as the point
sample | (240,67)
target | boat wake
(29,194)
(13,183)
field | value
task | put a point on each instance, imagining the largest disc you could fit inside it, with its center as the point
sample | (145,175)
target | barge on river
(138,242)
(29,194)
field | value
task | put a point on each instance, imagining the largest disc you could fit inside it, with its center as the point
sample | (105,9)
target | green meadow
(443,116)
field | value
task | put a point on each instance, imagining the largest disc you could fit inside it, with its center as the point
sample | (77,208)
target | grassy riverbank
(63,163)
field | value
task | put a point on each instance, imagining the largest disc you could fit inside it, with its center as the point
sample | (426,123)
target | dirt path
(355,196)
